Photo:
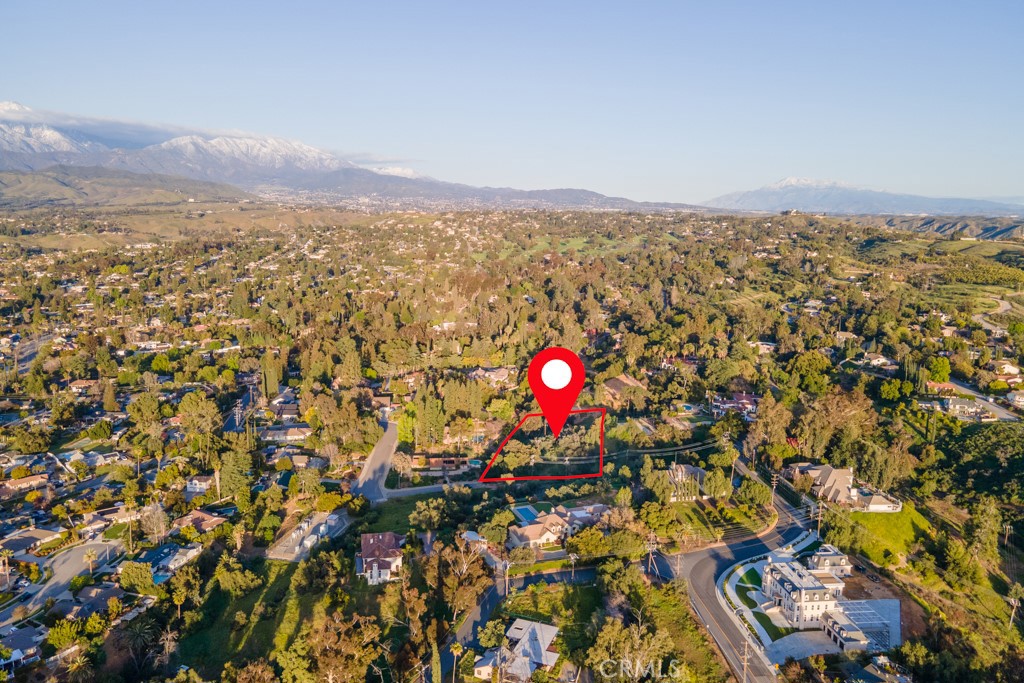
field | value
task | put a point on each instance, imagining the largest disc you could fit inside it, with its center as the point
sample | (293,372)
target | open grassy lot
(274,614)
(889,535)
(393,514)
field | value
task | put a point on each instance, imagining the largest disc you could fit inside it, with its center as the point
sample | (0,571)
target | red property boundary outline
(544,477)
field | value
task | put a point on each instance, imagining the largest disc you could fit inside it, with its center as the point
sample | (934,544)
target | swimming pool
(525,513)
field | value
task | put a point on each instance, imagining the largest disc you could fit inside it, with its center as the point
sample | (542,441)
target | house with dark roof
(24,645)
(379,559)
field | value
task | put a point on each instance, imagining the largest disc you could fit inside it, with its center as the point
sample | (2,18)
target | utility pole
(775,484)
(652,547)
(746,655)
(821,508)
(1007,529)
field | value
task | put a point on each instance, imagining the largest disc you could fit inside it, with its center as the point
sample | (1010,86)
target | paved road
(27,350)
(999,411)
(375,470)
(702,568)
(982,318)
(65,565)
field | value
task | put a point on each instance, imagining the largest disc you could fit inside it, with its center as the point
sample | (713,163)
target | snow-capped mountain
(38,138)
(33,140)
(829,196)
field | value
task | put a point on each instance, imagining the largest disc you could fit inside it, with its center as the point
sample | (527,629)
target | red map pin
(556,376)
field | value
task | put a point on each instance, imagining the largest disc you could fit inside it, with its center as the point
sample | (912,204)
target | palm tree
(90,557)
(138,637)
(80,670)
(456,653)
(5,562)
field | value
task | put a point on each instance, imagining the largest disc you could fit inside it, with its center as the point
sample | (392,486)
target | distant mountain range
(273,167)
(823,196)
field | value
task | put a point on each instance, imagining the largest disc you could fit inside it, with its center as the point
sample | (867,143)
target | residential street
(65,565)
(999,411)
(375,471)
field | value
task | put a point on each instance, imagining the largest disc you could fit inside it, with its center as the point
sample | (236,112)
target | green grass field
(393,514)
(888,535)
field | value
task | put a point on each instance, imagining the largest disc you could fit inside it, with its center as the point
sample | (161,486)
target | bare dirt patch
(913,620)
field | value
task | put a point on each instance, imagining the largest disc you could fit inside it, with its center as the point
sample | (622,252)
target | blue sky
(676,101)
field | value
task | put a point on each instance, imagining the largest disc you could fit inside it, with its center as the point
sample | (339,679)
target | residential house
(291,433)
(198,485)
(842,630)
(531,647)
(380,557)
(545,530)
(838,485)
(800,594)
(1016,399)
(831,559)
(496,377)
(550,528)
(15,487)
(744,404)
(687,482)
(966,409)
(881,670)
(23,542)
(200,520)
(1003,367)
(81,387)
(23,644)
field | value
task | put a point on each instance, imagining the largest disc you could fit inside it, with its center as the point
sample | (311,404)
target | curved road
(702,568)
(65,565)
(982,318)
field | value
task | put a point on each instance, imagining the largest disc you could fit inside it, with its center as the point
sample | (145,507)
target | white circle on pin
(556,374)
